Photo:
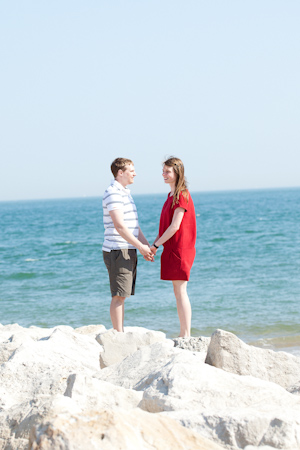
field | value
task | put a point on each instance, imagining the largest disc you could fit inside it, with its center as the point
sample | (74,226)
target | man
(122,237)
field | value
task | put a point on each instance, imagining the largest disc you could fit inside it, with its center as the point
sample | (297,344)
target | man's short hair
(119,164)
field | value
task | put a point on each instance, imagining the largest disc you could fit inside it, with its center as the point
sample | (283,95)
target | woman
(177,233)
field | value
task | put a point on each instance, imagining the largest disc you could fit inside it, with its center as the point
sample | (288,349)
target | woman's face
(169,175)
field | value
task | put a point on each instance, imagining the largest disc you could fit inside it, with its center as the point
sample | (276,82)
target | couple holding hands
(123,236)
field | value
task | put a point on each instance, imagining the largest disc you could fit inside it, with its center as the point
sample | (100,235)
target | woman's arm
(171,230)
(157,237)
(154,249)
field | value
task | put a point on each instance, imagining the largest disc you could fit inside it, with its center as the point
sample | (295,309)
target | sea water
(245,279)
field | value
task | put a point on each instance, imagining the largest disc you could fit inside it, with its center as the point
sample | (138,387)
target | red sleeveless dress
(179,251)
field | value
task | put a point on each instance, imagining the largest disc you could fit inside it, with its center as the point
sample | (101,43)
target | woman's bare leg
(183,307)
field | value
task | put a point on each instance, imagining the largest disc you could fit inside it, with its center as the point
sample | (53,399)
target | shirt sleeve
(182,203)
(114,201)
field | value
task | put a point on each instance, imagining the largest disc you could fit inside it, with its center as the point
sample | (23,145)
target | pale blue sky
(215,83)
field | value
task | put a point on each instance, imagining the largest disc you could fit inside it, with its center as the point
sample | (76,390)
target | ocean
(245,279)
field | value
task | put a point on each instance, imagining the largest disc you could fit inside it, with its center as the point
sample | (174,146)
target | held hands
(146,252)
(153,249)
(153,253)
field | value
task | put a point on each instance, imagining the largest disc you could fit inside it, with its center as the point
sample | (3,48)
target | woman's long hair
(181,183)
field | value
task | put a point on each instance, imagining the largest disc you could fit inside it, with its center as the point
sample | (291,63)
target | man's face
(127,175)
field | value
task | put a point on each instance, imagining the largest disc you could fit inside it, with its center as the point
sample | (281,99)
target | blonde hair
(119,164)
(181,183)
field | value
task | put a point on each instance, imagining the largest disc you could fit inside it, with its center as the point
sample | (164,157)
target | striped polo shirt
(118,197)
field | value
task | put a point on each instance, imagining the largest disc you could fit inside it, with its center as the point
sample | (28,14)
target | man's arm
(142,238)
(117,218)
(145,241)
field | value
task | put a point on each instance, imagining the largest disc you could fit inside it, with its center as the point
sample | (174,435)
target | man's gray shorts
(121,266)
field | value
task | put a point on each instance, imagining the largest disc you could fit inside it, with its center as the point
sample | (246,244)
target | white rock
(141,330)
(38,333)
(8,346)
(262,447)
(233,410)
(93,394)
(7,330)
(116,346)
(91,330)
(228,408)
(42,367)
(226,351)
(295,389)
(236,428)
(115,430)
(12,336)
(185,383)
(130,372)
(194,344)
(16,422)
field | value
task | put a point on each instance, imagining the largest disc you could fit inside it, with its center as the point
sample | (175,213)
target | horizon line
(156,193)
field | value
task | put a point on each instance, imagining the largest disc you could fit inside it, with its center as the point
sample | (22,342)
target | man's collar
(119,186)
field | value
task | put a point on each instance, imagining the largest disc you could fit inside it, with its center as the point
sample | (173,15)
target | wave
(22,276)
(218,240)
(66,243)
(278,342)
(31,259)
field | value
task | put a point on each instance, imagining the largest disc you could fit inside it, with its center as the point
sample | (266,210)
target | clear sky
(215,83)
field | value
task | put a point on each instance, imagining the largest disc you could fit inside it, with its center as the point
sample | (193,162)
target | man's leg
(117,312)
(121,266)
(183,307)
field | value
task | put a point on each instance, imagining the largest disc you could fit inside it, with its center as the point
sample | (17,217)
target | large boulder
(13,336)
(185,383)
(232,410)
(39,365)
(10,344)
(226,351)
(91,330)
(261,447)
(8,330)
(92,394)
(17,421)
(295,389)
(42,367)
(130,372)
(116,346)
(237,428)
(194,344)
(115,430)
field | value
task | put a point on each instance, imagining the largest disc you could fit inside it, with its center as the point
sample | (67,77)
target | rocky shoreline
(92,388)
